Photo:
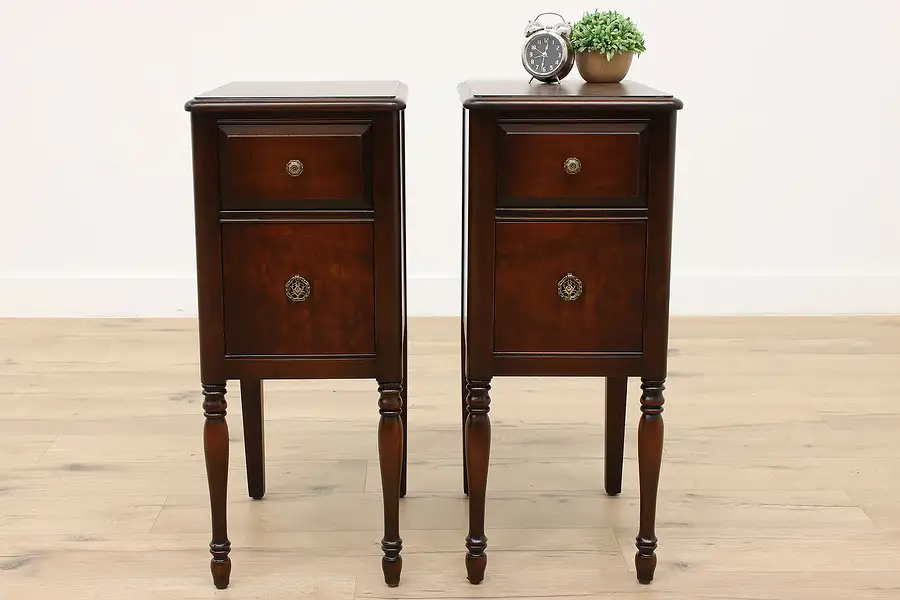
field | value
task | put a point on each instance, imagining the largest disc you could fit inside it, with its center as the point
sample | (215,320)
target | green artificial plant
(609,32)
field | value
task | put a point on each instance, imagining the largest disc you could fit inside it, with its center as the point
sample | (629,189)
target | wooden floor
(781,474)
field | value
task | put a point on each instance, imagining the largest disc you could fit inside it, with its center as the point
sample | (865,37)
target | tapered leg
(403,413)
(465,411)
(254,437)
(390,455)
(650,446)
(215,448)
(616,392)
(478,452)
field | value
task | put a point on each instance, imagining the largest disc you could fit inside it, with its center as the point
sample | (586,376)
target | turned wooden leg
(616,392)
(215,448)
(254,438)
(465,411)
(478,452)
(403,413)
(650,446)
(390,455)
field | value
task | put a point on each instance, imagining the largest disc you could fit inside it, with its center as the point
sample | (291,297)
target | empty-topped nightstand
(299,209)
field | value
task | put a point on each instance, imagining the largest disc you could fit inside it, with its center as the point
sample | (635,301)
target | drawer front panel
(574,164)
(315,166)
(270,310)
(539,307)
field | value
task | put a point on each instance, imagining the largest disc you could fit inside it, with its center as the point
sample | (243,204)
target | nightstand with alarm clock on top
(567,200)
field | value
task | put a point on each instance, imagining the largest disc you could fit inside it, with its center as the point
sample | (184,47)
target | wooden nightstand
(567,226)
(300,215)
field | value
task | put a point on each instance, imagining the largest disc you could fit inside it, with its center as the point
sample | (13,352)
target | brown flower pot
(594,67)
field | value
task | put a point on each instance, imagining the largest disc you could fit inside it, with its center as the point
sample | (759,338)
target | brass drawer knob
(297,289)
(572,166)
(294,168)
(569,288)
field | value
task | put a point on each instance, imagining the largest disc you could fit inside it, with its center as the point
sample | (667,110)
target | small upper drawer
(573,164)
(295,166)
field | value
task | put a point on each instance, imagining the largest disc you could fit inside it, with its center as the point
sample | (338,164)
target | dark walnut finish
(611,164)
(335,258)
(608,258)
(567,225)
(299,207)
(333,175)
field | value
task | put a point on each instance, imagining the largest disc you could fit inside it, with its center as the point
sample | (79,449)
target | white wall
(788,156)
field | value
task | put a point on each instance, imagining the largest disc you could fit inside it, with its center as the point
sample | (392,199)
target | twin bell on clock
(548,54)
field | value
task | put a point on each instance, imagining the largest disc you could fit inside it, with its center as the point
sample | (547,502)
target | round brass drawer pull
(297,289)
(294,168)
(572,166)
(569,288)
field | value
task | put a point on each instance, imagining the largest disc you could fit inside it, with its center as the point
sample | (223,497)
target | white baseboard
(691,295)
(721,295)
(98,297)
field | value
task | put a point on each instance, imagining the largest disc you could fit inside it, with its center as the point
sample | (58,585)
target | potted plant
(605,43)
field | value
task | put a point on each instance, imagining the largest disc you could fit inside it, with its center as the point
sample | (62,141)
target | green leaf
(607,31)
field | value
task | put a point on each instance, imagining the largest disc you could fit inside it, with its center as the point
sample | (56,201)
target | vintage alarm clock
(548,54)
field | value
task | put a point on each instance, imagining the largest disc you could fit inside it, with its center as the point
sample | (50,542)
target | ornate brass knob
(297,289)
(572,166)
(294,168)
(569,288)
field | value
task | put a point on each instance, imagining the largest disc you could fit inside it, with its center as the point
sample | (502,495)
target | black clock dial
(543,54)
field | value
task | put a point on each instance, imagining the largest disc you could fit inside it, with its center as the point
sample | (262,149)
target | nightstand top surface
(281,95)
(518,93)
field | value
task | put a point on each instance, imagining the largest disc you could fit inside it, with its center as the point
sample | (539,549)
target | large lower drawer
(569,286)
(298,288)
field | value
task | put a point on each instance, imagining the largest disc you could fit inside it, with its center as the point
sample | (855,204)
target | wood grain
(336,259)
(612,157)
(532,258)
(253,166)
(785,493)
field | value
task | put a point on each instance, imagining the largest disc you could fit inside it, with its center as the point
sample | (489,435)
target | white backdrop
(787,189)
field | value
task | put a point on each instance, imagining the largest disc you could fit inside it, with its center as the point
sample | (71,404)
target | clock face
(543,54)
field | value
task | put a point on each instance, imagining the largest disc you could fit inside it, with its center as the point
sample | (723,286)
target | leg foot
(254,439)
(476,560)
(221,570)
(650,447)
(391,563)
(616,392)
(215,449)
(645,560)
(478,451)
(390,455)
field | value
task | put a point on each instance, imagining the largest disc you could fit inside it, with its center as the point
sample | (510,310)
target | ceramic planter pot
(594,67)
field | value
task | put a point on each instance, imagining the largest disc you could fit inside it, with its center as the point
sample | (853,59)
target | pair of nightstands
(300,228)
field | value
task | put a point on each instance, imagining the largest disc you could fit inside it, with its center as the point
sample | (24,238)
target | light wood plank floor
(781,475)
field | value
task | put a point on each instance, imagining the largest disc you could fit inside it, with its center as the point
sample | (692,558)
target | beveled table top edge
(520,94)
(287,95)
